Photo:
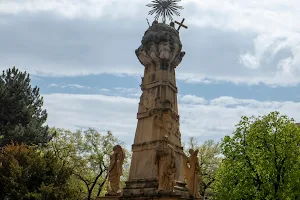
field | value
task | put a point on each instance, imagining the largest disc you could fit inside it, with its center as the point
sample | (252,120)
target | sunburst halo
(165,9)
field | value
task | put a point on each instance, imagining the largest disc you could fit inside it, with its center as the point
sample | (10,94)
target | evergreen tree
(21,113)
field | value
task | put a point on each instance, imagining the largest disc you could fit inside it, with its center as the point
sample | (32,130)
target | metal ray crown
(165,9)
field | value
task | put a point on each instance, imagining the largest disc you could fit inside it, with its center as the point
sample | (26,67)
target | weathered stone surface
(160,49)
(160,53)
(157,115)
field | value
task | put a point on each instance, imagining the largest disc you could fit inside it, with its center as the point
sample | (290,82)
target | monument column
(157,129)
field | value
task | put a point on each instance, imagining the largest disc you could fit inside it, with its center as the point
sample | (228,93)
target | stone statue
(166,166)
(143,57)
(115,170)
(164,49)
(192,173)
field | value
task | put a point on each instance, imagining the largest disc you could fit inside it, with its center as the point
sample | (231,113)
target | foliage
(262,160)
(21,113)
(210,159)
(86,153)
(28,173)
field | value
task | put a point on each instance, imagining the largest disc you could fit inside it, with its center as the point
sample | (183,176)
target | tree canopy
(87,154)
(262,160)
(30,174)
(21,113)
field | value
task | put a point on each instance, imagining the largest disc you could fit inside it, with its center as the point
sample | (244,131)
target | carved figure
(143,57)
(160,122)
(166,166)
(142,108)
(178,59)
(164,49)
(153,53)
(192,173)
(175,52)
(115,170)
(149,100)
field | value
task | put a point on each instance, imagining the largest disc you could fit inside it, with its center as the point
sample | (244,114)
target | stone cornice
(154,111)
(158,83)
(153,144)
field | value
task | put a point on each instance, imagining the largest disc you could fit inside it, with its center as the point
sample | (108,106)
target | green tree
(21,113)
(27,173)
(262,160)
(87,154)
(210,159)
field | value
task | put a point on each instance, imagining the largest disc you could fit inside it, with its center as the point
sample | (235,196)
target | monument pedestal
(108,198)
(147,190)
(149,187)
(159,196)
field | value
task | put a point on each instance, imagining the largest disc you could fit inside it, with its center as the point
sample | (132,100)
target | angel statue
(192,173)
(115,170)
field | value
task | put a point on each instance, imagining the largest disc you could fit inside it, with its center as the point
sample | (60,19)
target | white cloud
(104,90)
(249,60)
(192,99)
(275,24)
(210,120)
(104,113)
(134,92)
(75,8)
(273,56)
(77,86)
(53,85)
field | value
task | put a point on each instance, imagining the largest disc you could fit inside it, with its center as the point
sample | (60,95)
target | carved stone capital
(161,46)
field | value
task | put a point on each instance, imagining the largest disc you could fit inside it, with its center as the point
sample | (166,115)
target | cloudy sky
(242,58)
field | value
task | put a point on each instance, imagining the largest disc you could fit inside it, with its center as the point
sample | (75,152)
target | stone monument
(157,164)
(158,161)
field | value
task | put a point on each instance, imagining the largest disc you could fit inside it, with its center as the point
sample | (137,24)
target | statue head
(120,152)
(172,24)
(193,152)
(166,138)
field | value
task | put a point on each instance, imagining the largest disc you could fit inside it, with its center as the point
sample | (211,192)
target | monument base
(149,187)
(108,198)
(162,196)
(147,190)
(148,198)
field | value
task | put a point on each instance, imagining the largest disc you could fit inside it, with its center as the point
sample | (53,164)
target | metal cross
(181,24)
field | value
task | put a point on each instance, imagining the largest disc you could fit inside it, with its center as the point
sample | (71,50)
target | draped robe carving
(192,173)
(166,167)
(115,170)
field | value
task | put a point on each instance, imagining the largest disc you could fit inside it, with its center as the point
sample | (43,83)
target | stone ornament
(192,173)
(167,123)
(166,166)
(161,47)
(115,170)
